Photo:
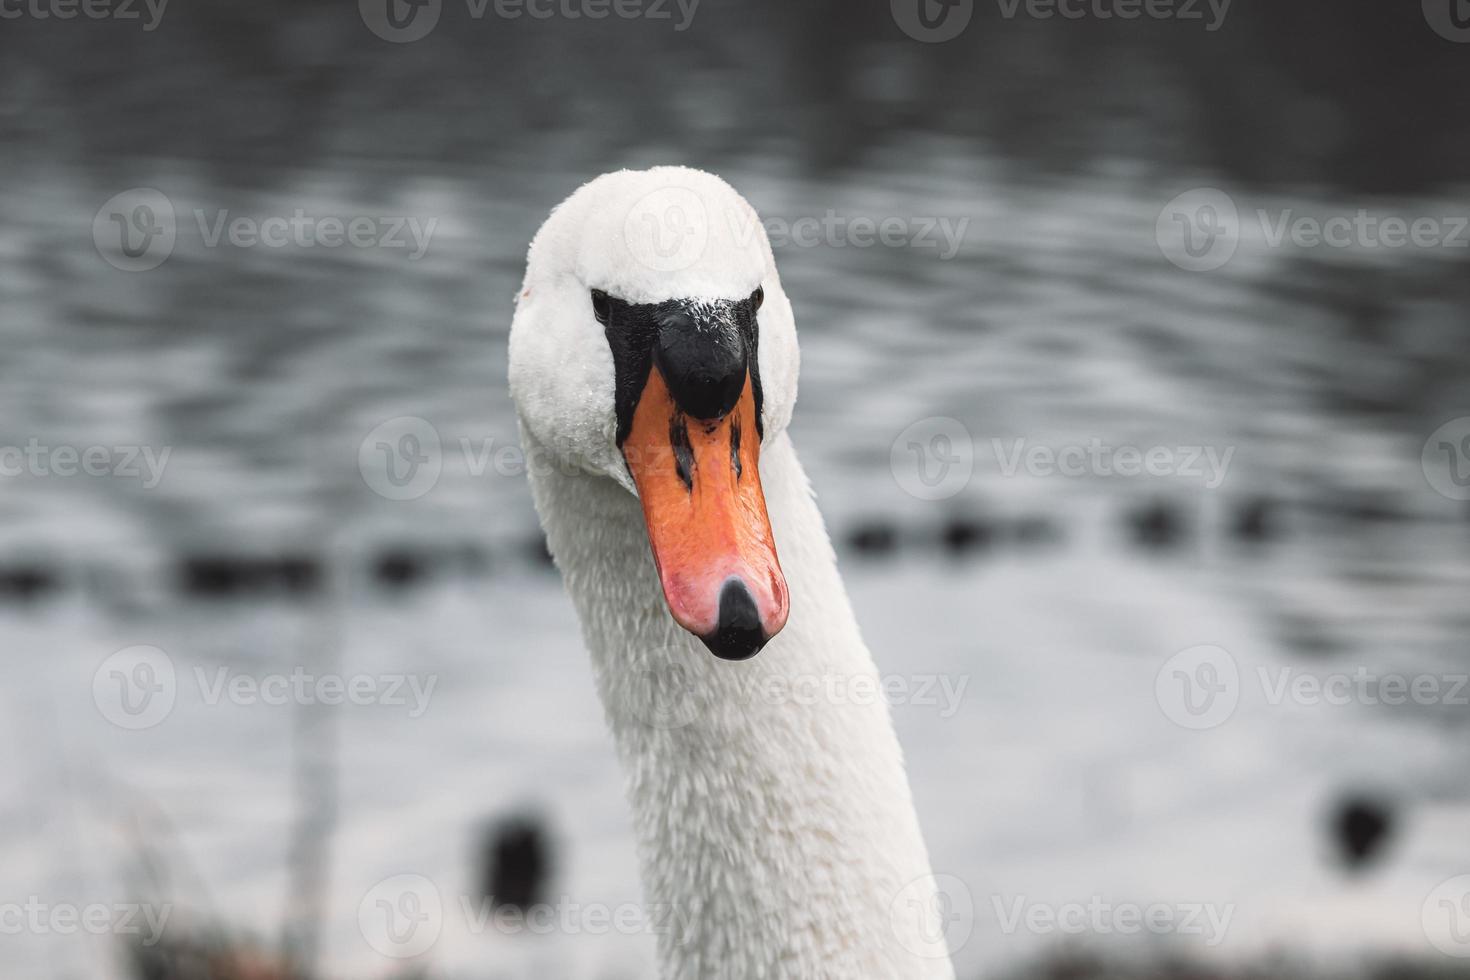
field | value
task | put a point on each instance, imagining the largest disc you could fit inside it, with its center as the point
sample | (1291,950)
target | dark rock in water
(299,574)
(236,576)
(515,864)
(212,577)
(1360,826)
(399,569)
(27,583)
(872,538)
(1158,526)
(1255,522)
(961,535)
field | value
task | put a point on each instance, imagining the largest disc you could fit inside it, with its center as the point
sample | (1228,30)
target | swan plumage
(775,826)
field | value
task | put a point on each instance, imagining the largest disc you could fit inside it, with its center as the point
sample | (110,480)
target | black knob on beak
(702,360)
(739,635)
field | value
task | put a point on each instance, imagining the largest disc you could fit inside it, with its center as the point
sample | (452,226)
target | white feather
(775,824)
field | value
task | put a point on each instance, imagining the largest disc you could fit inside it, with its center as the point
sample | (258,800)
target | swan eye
(601,306)
(757,298)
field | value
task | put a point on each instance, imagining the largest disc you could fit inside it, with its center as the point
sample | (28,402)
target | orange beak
(699,483)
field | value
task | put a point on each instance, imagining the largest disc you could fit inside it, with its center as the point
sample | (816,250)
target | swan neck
(773,817)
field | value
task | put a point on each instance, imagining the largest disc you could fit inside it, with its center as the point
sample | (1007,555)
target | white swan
(776,831)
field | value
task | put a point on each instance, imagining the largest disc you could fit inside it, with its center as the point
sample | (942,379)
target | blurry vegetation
(212,957)
(216,960)
(1081,966)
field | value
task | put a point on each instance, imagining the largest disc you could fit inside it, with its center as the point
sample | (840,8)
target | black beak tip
(739,635)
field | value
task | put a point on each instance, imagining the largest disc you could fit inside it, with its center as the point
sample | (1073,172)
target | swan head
(653,346)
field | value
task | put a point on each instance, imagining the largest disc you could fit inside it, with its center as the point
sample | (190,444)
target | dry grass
(208,958)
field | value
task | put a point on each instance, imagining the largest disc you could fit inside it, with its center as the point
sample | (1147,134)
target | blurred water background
(1059,320)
